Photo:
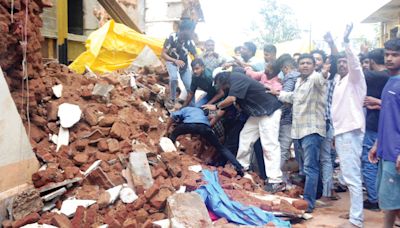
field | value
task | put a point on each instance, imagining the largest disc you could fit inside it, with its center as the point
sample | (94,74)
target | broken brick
(31,218)
(81,144)
(100,178)
(62,221)
(111,222)
(70,172)
(120,131)
(300,204)
(107,121)
(81,158)
(90,116)
(113,145)
(152,191)
(159,200)
(130,223)
(229,172)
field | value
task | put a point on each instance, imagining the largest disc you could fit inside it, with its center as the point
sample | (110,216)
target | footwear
(340,188)
(371,206)
(275,187)
(344,216)
(323,202)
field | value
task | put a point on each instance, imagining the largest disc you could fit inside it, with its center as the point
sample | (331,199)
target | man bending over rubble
(193,120)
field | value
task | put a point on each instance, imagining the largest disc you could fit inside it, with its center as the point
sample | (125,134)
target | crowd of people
(342,105)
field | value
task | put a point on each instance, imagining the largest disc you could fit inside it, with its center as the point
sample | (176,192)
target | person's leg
(311,145)
(248,136)
(285,141)
(181,129)
(207,133)
(388,183)
(173,79)
(326,163)
(187,80)
(299,155)
(369,170)
(202,101)
(258,152)
(349,149)
(269,134)
(232,132)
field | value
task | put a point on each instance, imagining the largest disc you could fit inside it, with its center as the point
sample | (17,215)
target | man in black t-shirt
(264,117)
(376,79)
(175,52)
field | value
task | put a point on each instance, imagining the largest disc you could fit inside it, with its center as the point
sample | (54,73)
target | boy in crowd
(202,79)
(386,148)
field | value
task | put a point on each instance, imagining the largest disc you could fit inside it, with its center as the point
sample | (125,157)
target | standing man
(175,52)
(264,114)
(308,124)
(320,58)
(248,53)
(349,124)
(269,53)
(376,79)
(210,58)
(387,147)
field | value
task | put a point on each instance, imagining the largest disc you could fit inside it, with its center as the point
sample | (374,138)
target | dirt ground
(329,217)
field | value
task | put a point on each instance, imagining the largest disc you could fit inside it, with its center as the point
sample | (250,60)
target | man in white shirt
(349,124)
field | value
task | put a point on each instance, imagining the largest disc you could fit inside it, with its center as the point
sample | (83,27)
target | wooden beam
(119,15)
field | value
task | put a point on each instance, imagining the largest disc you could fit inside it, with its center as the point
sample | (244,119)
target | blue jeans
(299,155)
(173,72)
(326,162)
(311,145)
(349,148)
(369,170)
(202,101)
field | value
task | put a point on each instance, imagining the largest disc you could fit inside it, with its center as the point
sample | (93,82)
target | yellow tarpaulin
(113,46)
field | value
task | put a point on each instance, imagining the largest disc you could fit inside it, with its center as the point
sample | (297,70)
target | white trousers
(267,129)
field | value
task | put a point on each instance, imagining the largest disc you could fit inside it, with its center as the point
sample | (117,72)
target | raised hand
(347,32)
(328,38)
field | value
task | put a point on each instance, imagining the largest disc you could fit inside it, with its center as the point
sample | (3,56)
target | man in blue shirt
(387,146)
(192,120)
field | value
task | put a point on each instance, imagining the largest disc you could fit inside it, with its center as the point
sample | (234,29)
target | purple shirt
(389,121)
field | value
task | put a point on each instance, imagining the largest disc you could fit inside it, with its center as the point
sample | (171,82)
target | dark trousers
(207,133)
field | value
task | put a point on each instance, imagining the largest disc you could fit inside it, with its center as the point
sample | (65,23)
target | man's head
(392,55)
(198,67)
(209,45)
(320,58)
(342,65)
(186,28)
(269,53)
(365,62)
(288,66)
(222,80)
(238,50)
(306,64)
(376,58)
(296,57)
(248,50)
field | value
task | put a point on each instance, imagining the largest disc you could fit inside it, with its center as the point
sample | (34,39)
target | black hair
(297,53)
(320,52)
(251,46)
(341,55)
(282,59)
(197,61)
(222,78)
(362,57)
(289,62)
(238,48)
(306,56)
(186,24)
(210,40)
(393,44)
(270,48)
(378,55)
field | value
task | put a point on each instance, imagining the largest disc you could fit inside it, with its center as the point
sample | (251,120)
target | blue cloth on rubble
(216,200)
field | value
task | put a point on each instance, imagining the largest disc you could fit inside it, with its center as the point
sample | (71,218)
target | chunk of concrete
(69,114)
(187,210)
(195,168)
(69,206)
(27,202)
(37,225)
(167,145)
(127,195)
(62,138)
(57,90)
(139,166)
(54,194)
(92,167)
(114,193)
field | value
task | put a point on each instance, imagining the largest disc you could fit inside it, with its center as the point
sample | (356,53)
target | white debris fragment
(162,223)
(53,138)
(161,119)
(92,167)
(182,189)
(195,168)
(57,90)
(103,226)
(62,138)
(69,114)
(69,206)
(114,193)
(148,107)
(167,145)
(37,225)
(127,195)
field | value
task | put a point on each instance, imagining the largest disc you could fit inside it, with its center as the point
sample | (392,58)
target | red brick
(107,121)
(159,172)
(130,223)
(158,216)
(176,182)
(36,134)
(6,224)
(81,144)
(81,158)
(148,224)
(300,204)
(152,191)
(102,156)
(120,131)
(77,221)
(141,215)
(139,203)
(91,215)
(98,177)
(113,145)
(52,111)
(159,200)
(61,221)
(175,169)
(112,223)
(90,116)
(71,172)
(229,172)
(31,218)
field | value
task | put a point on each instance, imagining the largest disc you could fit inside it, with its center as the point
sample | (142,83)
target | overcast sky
(227,20)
